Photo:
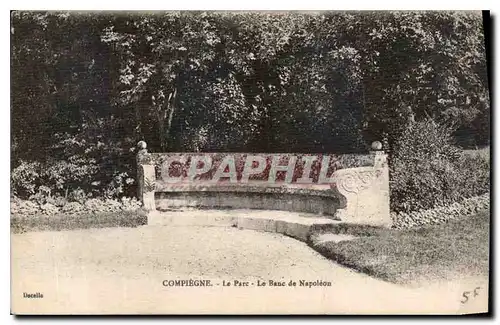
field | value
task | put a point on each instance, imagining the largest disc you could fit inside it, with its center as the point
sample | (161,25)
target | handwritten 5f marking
(466,295)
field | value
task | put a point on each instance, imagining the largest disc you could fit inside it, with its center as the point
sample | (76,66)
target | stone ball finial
(376,145)
(142,145)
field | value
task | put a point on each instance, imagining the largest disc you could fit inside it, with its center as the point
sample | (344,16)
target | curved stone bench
(356,190)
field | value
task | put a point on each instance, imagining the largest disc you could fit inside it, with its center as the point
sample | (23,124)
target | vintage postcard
(234,163)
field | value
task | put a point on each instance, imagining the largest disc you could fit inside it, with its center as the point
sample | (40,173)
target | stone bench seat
(254,187)
(296,225)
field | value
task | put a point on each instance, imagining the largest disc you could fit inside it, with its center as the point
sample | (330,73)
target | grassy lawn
(455,249)
(82,221)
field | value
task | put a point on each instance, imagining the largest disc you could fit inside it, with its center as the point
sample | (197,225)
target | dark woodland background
(86,87)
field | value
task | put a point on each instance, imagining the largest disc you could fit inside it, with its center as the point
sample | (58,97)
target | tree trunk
(138,131)
(170,115)
(165,121)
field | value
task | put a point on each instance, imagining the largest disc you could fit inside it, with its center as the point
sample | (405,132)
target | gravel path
(121,270)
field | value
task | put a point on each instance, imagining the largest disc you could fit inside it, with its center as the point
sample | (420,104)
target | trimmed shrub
(427,170)
(25,178)
(79,166)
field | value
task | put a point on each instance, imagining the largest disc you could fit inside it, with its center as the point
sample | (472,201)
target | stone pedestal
(146,178)
(364,193)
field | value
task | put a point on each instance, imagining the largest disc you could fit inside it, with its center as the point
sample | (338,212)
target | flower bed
(441,214)
(25,209)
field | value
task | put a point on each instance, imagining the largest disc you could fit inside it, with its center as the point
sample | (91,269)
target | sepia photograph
(250,162)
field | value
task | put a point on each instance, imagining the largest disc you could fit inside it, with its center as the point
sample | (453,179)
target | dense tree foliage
(86,87)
